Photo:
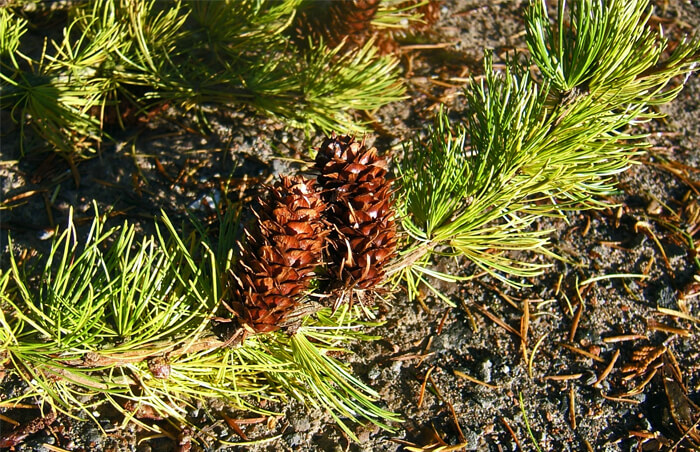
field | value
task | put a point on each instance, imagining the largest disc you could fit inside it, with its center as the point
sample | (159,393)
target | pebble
(301,424)
(92,438)
(294,439)
(471,440)
(486,371)
(46,234)
(654,208)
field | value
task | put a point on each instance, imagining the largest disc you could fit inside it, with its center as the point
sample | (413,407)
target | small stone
(486,371)
(655,208)
(294,439)
(46,234)
(301,424)
(159,367)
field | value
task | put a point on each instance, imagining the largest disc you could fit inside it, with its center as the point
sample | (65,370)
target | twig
(422,386)
(658,326)
(563,377)
(524,327)
(619,399)
(474,380)
(18,435)
(622,338)
(512,433)
(442,322)
(484,310)
(692,427)
(582,352)
(574,323)
(411,258)
(607,370)
(572,407)
(169,348)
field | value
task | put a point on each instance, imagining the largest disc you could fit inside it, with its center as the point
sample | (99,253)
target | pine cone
(355,186)
(337,20)
(277,263)
(351,20)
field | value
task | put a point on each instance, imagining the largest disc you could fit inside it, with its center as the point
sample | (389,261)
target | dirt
(161,164)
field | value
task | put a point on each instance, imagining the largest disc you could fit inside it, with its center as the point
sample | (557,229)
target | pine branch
(118,321)
(193,55)
(529,149)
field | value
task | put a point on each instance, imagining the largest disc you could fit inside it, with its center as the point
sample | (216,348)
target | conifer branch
(530,148)
(192,55)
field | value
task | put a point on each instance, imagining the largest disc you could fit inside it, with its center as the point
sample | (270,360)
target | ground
(457,375)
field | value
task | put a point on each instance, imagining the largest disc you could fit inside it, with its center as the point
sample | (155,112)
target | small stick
(640,387)
(441,83)
(18,435)
(650,233)
(611,244)
(680,440)
(21,196)
(657,326)
(524,326)
(643,434)
(474,380)
(619,399)
(587,227)
(575,322)
(161,170)
(500,293)
(427,347)
(607,370)
(472,320)
(422,386)
(572,407)
(622,338)
(53,448)
(440,45)
(582,352)
(462,439)
(512,433)
(496,320)
(252,420)
(675,368)
(682,315)
(8,420)
(442,322)
(12,405)
(647,267)
(563,377)
(233,423)
(411,356)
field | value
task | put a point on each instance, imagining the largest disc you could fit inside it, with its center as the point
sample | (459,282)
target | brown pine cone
(337,20)
(277,263)
(355,186)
